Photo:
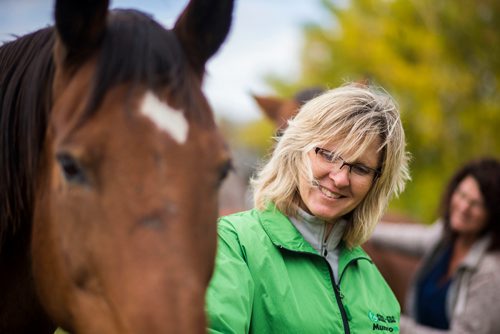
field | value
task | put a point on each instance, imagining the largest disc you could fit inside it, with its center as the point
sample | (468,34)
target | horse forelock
(139,51)
(26,72)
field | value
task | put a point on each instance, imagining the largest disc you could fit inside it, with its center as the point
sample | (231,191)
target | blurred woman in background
(457,287)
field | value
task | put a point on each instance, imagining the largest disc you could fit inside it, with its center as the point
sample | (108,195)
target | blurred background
(440,60)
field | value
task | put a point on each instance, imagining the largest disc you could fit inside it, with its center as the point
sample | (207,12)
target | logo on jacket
(381,322)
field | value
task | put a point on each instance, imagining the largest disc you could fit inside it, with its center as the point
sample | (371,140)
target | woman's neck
(461,247)
(465,241)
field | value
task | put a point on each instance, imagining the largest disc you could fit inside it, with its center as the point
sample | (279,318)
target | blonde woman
(293,263)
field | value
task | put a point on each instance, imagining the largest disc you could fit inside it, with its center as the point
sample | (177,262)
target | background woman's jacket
(473,300)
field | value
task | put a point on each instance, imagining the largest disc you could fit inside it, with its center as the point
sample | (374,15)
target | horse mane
(26,72)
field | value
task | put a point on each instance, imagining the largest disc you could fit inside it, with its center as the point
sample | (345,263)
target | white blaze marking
(165,118)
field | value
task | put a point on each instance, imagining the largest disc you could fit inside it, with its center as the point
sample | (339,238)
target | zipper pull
(337,287)
(324,242)
(347,313)
(346,309)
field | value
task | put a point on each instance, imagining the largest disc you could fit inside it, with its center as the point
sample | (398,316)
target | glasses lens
(335,161)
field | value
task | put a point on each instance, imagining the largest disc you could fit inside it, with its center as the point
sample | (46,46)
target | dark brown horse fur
(110,162)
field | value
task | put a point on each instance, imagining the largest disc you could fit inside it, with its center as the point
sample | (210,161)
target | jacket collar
(283,234)
(313,229)
(476,253)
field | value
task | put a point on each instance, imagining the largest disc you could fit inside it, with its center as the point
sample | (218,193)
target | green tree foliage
(439,59)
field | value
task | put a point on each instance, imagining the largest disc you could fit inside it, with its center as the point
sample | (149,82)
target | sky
(265,38)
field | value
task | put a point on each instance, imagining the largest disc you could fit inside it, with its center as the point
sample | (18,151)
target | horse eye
(71,169)
(224,171)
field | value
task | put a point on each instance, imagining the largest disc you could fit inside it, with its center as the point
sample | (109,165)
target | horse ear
(202,28)
(80,27)
(270,105)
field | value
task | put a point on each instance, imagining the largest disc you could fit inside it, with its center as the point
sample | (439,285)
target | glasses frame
(376,172)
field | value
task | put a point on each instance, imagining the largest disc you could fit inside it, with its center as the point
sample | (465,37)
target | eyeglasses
(336,160)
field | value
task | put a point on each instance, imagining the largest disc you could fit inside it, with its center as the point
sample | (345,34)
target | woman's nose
(340,176)
(464,204)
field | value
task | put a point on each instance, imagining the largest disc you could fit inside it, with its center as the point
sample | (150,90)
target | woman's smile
(334,192)
(329,193)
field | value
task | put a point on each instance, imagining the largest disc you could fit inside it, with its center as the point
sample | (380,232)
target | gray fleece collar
(313,230)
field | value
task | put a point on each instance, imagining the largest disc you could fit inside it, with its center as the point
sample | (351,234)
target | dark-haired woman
(457,287)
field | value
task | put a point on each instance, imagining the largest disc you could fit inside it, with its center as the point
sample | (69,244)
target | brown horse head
(120,180)
(280,110)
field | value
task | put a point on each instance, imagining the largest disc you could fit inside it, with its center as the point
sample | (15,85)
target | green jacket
(268,279)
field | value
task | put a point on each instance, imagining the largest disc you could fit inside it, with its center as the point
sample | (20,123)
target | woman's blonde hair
(351,116)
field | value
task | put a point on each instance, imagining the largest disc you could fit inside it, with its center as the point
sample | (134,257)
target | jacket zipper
(338,298)
(336,287)
(324,250)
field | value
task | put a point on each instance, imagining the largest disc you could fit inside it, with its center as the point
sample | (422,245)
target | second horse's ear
(202,28)
(270,105)
(80,27)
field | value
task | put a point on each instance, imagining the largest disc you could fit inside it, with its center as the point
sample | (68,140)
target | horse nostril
(157,219)
(153,222)
(85,281)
